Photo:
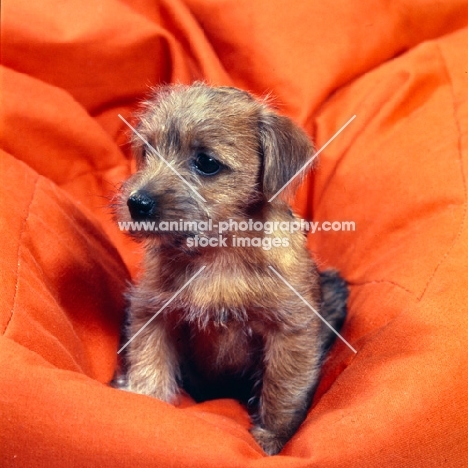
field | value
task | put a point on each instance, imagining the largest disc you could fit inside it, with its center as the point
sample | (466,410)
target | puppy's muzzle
(142,205)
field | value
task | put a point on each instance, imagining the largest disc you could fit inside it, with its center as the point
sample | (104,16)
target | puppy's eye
(206,165)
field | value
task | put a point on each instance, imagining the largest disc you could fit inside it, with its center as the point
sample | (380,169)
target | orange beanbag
(397,173)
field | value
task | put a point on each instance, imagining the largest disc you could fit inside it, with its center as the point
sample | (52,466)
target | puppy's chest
(224,293)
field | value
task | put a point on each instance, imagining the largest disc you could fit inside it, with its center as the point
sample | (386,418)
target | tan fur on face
(236,329)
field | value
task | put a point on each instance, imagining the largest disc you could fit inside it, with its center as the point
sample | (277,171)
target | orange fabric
(398,171)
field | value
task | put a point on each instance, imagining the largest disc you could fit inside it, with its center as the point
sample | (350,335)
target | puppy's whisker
(158,154)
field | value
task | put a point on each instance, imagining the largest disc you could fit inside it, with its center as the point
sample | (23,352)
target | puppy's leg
(291,369)
(151,362)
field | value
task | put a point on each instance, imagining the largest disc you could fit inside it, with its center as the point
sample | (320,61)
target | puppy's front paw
(167,393)
(270,442)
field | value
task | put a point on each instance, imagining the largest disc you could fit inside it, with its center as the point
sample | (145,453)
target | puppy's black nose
(141,205)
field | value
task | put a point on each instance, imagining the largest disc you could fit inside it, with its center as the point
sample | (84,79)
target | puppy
(223,313)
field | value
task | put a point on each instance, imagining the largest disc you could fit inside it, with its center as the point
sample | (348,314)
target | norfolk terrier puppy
(228,299)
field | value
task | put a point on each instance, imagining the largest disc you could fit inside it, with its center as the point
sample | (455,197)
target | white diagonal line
(311,308)
(161,309)
(312,158)
(142,138)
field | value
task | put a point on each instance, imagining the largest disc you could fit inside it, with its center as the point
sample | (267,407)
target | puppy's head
(208,153)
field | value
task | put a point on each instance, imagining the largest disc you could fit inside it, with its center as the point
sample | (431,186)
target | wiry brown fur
(236,329)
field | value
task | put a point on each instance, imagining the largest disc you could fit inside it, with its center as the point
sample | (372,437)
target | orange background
(398,171)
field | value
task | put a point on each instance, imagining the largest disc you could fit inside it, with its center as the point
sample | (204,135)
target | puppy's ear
(285,149)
